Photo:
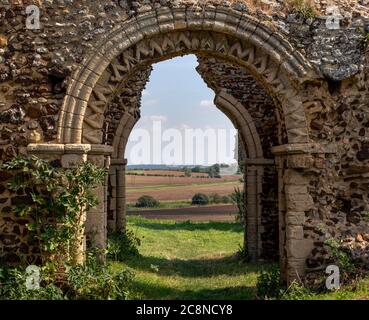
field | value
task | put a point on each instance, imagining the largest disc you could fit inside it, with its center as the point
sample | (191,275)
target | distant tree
(187,171)
(226,199)
(147,202)
(196,169)
(200,199)
(214,171)
(215,198)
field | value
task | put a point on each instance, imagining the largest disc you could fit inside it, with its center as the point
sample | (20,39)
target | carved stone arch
(213,32)
(255,170)
(242,121)
(232,108)
(220,32)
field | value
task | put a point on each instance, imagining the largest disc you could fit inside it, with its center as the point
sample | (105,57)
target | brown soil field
(169,172)
(181,192)
(146,181)
(207,213)
(157,184)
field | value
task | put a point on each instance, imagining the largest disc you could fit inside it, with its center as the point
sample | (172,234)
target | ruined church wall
(36,67)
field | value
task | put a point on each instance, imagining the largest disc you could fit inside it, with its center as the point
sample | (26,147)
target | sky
(179,123)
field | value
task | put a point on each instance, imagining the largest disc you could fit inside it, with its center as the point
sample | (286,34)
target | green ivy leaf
(31,226)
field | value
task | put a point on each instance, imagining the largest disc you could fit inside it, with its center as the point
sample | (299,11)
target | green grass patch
(190,261)
(138,172)
(187,260)
(358,291)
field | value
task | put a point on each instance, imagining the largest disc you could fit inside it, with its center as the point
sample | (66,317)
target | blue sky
(177,96)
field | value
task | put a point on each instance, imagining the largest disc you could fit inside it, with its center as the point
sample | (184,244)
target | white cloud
(150,103)
(184,126)
(207,104)
(159,118)
(146,121)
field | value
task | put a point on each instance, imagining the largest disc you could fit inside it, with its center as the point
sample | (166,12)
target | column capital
(303,148)
(35,148)
(259,162)
(60,149)
(119,162)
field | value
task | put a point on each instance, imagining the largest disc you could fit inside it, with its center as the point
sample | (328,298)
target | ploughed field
(226,212)
(174,185)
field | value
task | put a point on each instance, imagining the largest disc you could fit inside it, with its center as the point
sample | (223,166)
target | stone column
(74,155)
(294,200)
(71,155)
(118,173)
(96,223)
(112,199)
(254,187)
(296,164)
(298,200)
(252,212)
(281,218)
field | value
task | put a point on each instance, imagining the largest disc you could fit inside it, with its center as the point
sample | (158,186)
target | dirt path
(209,213)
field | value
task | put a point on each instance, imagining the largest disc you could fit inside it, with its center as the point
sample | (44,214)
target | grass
(197,261)
(190,261)
(359,291)
(139,172)
(172,204)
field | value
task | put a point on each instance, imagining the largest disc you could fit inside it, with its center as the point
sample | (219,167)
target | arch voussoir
(162,34)
(267,64)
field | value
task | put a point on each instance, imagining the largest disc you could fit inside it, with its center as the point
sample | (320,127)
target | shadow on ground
(187,225)
(169,293)
(164,274)
(193,268)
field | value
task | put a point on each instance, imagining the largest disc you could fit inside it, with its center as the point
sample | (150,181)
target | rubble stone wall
(60,85)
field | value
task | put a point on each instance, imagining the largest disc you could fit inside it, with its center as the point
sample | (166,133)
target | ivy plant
(56,202)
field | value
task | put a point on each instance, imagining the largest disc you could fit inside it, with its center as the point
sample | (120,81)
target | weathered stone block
(296,218)
(293,177)
(70,160)
(303,205)
(296,189)
(294,232)
(299,248)
(300,161)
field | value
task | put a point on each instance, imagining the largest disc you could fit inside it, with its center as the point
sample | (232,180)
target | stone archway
(255,164)
(167,33)
(171,32)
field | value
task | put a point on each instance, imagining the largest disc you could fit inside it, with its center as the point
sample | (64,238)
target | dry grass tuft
(304,7)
